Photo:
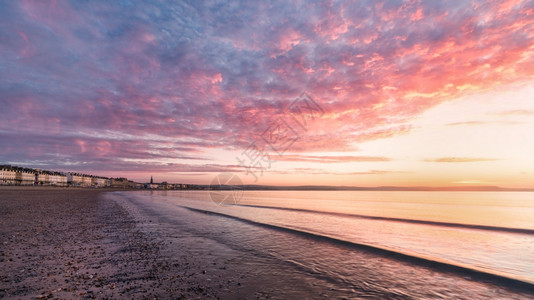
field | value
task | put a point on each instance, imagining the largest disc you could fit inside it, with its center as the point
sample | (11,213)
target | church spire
(151,180)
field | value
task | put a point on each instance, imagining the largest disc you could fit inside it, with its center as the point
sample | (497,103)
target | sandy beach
(71,243)
(78,243)
(65,243)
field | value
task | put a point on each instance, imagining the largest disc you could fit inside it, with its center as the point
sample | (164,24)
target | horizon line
(359,188)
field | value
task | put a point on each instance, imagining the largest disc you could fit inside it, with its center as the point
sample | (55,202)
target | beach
(91,243)
(77,243)
(71,243)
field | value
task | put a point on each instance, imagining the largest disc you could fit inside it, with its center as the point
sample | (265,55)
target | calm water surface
(491,250)
(492,232)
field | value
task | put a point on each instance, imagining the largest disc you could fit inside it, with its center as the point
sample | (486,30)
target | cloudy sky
(364,93)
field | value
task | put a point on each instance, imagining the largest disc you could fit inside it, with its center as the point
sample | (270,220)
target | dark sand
(72,243)
(67,243)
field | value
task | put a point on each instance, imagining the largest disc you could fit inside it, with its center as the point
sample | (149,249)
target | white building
(58,179)
(86,180)
(7,176)
(43,178)
(74,179)
(100,182)
(25,176)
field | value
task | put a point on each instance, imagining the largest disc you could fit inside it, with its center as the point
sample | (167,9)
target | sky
(358,93)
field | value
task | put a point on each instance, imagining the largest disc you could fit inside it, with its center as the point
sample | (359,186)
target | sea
(372,244)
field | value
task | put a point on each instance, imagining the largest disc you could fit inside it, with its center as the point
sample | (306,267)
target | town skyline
(25,176)
(334,93)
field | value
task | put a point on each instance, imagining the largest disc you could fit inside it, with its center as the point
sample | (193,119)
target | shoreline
(73,243)
(90,243)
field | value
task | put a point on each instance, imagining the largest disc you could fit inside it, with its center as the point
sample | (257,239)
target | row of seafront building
(12,175)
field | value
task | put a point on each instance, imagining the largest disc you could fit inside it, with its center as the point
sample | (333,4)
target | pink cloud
(460,159)
(332,159)
(104,77)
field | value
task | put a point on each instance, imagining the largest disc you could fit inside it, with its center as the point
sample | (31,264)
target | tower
(151,180)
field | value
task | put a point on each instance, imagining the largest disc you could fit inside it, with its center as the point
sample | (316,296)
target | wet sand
(73,243)
(66,243)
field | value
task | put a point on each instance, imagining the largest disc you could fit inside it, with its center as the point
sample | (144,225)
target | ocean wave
(412,221)
(429,262)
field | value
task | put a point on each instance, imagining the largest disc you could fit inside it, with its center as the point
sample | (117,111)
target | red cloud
(101,80)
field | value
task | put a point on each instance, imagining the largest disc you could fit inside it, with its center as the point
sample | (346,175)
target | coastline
(65,243)
(89,243)
(72,243)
